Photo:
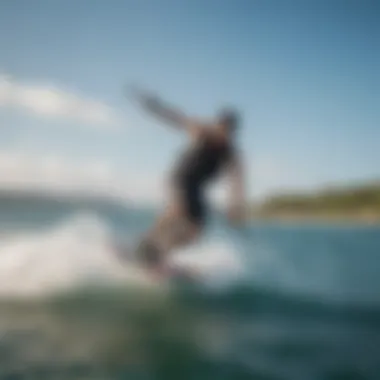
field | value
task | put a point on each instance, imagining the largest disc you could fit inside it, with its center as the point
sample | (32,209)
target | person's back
(202,162)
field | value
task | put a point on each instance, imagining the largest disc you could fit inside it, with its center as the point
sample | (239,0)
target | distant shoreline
(343,205)
(320,219)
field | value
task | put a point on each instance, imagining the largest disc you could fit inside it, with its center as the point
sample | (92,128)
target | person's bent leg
(174,211)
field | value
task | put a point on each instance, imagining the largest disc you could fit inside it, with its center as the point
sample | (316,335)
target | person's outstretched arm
(167,113)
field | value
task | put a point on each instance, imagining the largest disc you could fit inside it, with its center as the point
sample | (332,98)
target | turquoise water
(276,302)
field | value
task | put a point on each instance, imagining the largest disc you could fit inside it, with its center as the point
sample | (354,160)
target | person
(212,151)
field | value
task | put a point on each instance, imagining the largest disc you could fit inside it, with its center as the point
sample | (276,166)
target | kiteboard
(175,273)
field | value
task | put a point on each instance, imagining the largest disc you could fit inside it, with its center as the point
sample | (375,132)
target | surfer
(212,151)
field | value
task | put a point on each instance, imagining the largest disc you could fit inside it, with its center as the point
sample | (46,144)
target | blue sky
(303,73)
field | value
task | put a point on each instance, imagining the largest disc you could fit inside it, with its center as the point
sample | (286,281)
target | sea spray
(79,253)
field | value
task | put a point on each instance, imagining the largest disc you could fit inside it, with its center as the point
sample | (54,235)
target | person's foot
(160,272)
(188,273)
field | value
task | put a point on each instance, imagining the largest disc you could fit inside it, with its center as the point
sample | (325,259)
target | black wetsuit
(200,164)
(197,167)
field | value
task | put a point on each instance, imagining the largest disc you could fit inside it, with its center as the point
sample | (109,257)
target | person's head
(228,120)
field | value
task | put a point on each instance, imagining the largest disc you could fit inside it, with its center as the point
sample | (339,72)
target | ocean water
(274,301)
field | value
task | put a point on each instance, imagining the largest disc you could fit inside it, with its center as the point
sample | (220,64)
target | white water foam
(216,260)
(79,252)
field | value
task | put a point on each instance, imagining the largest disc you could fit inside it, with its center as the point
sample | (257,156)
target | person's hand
(236,215)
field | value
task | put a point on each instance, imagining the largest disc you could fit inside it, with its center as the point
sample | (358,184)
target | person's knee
(196,232)
(193,231)
(183,233)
